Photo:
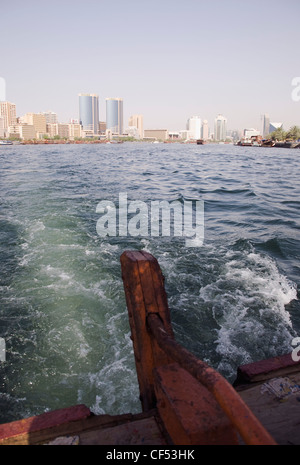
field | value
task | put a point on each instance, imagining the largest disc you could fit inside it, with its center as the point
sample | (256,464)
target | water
(63,314)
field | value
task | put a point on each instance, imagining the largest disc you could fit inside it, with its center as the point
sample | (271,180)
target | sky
(168,60)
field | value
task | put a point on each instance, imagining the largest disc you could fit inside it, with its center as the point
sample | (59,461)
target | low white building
(248,133)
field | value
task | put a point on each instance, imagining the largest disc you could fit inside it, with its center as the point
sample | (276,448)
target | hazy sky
(168,60)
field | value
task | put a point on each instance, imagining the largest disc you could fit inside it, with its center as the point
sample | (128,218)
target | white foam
(248,299)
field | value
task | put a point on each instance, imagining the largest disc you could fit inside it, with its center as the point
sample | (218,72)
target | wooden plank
(276,403)
(139,432)
(265,369)
(26,430)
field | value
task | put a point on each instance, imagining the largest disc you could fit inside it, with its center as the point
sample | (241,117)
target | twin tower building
(89,114)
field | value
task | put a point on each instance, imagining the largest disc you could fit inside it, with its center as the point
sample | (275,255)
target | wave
(63,312)
(229,304)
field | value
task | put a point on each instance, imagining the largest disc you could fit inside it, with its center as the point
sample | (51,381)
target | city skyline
(167,60)
(89,125)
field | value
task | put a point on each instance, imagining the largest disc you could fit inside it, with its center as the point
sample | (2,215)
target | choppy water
(62,310)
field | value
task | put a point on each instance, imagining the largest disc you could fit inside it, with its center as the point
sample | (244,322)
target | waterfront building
(89,112)
(27,131)
(87,133)
(138,122)
(63,130)
(274,126)
(156,134)
(51,117)
(205,130)
(114,116)
(52,129)
(13,131)
(74,131)
(174,135)
(132,131)
(220,128)
(22,131)
(38,120)
(8,113)
(248,133)
(184,134)
(194,127)
(2,132)
(266,125)
(102,127)
(235,134)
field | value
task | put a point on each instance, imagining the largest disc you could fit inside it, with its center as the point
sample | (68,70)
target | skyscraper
(2,133)
(8,113)
(266,125)
(194,127)
(114,115)
(220,128)
(89,112)
(205,130)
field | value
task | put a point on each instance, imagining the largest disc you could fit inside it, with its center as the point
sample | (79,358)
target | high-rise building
(266,125)
(8,113)
(51,117)
(194,127)
(220,128)
(137,122)
(205,130)
(2,127)
(74,131)
(89,112)
(114,115)
(38,120)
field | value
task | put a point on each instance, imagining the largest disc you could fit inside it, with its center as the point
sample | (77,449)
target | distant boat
(267,143)
(6,142)
(200,141)
(245,142)
(284,144)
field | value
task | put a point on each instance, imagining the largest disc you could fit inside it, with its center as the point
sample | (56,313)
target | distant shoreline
(76,142)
